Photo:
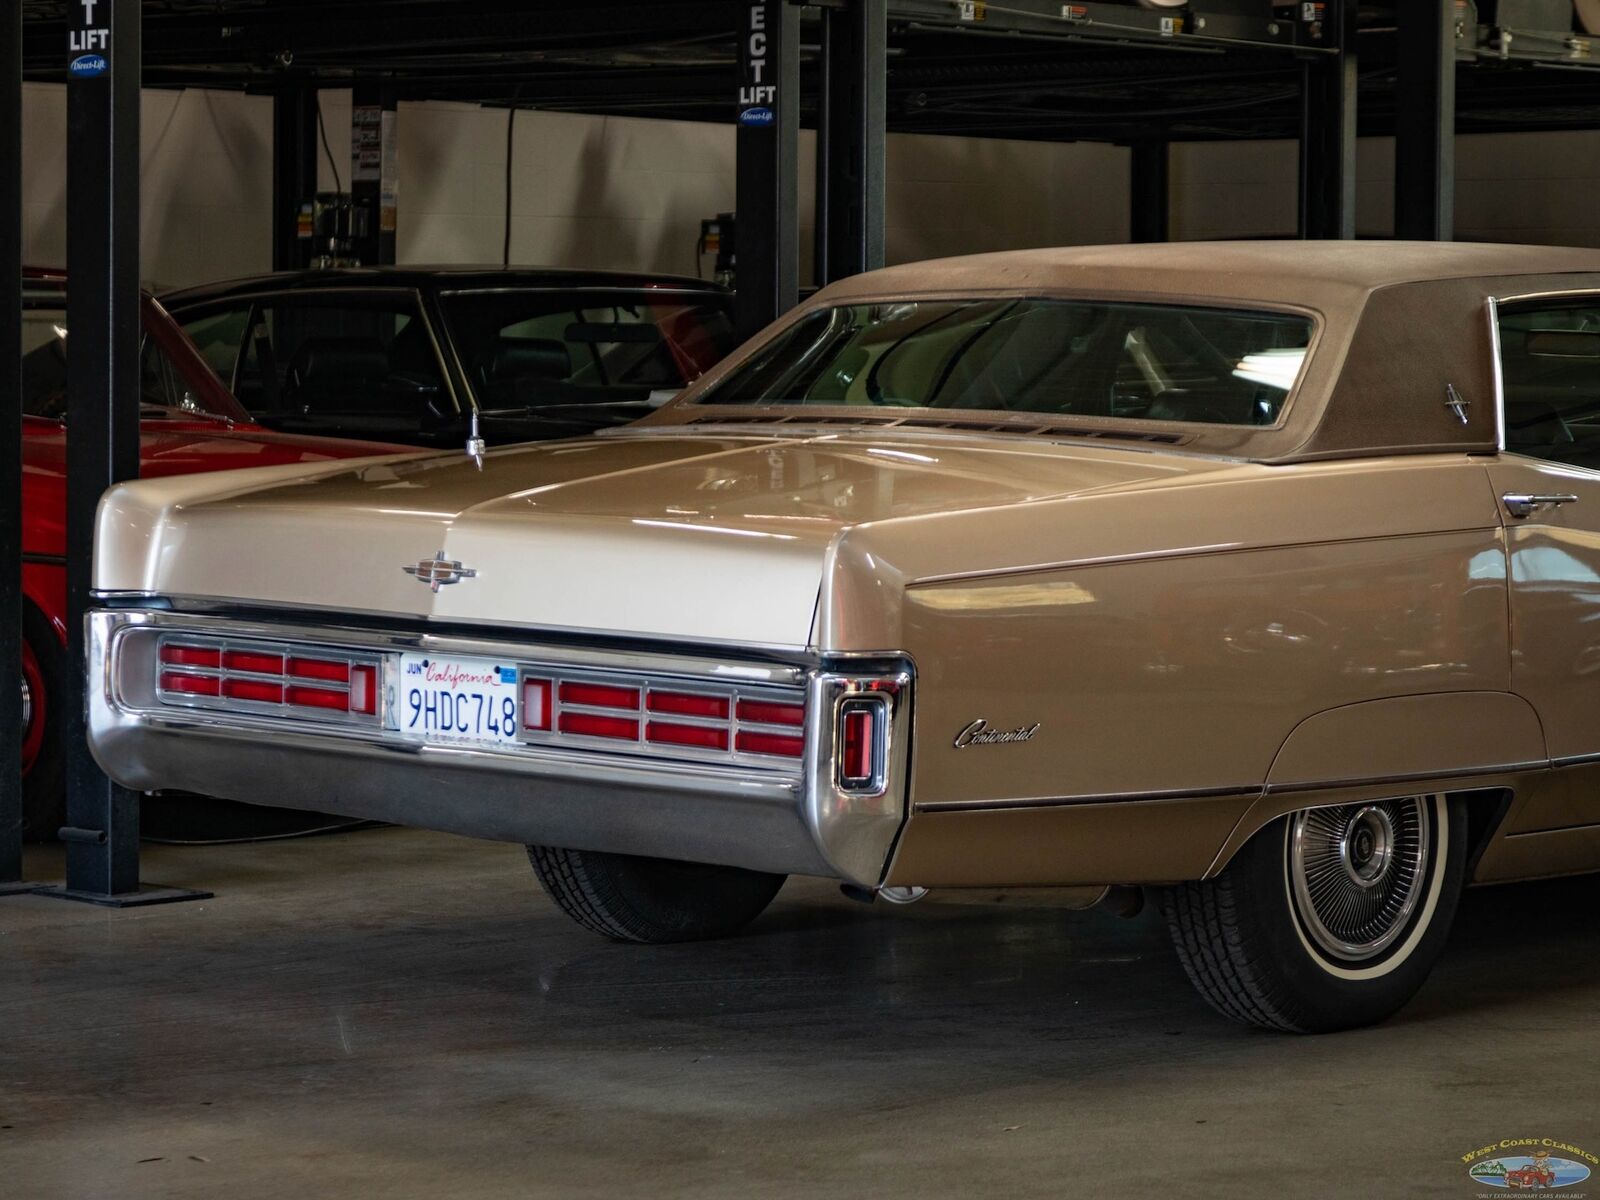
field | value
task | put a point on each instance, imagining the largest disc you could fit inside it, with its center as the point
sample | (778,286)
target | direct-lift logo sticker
(1530,1164)
(87,66)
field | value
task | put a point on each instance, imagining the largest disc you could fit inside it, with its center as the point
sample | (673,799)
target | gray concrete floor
(397,1014)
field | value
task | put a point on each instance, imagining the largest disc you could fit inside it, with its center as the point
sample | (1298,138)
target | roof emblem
(1454,402)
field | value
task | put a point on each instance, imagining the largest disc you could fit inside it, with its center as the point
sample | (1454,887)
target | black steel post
(373,171)
(1425,121)
(11,451)
(1328,132)
(768,149)
(822,210)
(294,174)
(102,831)
(1148,189)
(858,37)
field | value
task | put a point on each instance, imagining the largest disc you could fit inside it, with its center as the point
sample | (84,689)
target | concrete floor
(397,1014)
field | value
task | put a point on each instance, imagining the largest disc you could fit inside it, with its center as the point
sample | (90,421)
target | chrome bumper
(791,819)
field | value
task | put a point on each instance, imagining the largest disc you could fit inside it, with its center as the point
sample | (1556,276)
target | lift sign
(756,95)
(85,41)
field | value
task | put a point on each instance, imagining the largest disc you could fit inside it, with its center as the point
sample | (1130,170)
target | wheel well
(1486,812)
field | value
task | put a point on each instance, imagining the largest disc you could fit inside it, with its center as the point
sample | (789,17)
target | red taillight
(190,685)
(707,737)
(297,696)
(599,695)
(253,662)
(858,744)
(325,670)
(765,712)
(191,656)
(595,725)
(536,707)
(769,743)
(258,690)
(686,704)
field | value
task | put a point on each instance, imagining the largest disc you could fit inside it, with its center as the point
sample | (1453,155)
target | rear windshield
(548,348)
(1060,357)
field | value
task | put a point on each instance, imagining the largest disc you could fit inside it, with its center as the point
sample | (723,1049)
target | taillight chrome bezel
(733,730)
(168,693)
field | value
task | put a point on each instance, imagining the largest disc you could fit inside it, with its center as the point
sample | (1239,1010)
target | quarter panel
(1188,674)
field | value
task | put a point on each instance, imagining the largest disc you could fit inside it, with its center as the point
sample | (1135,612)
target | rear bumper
(788,819)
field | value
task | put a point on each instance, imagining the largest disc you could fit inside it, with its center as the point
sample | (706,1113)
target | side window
(361,360)
(1550,366)
(218,335)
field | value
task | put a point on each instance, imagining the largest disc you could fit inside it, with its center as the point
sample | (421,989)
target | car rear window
(1060,357)
(534,349)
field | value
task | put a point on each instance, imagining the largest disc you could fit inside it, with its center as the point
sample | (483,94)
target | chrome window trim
(1494,305)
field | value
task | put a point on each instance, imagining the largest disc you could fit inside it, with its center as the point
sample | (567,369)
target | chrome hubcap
(27,705)
(1357,872)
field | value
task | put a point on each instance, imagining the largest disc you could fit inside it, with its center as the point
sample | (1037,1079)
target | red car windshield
(175,382)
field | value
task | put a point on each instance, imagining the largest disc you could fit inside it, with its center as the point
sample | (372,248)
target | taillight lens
(862,728)
(311,680)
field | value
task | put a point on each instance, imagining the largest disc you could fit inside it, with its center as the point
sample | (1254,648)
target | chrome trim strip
(1217,793)
(1278,789)
(403,629)
(1497,374)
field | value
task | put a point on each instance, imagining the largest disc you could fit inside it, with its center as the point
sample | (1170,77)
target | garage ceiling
(676,59)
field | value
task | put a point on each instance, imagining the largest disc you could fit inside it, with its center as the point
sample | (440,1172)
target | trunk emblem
(438,571)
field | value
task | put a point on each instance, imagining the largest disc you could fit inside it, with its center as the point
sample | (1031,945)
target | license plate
(449,699)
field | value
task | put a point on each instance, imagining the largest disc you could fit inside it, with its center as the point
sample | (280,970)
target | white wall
(1510,187)
(206,192)
(630,193)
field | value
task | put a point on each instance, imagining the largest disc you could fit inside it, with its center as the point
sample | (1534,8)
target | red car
(1534,1175)
(189,422)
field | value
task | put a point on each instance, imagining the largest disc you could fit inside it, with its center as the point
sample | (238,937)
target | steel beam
(1149,182)
(1328,132)
(856,47)
(294,172)
(767,234)
(11,448)
(1425,121)
(102,830)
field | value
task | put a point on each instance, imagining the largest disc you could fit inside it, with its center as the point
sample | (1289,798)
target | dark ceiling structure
(1016,70)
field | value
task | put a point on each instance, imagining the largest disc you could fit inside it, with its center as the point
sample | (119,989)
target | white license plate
(449,699)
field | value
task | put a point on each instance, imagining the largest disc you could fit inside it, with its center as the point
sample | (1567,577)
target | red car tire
(43,775)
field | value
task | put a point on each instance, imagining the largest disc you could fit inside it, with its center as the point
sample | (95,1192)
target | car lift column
(294,174)
(1148,190)
(852,120)
(1328,131)
(1425,122)
(11,453)
(767,235)
(373,172)
(102,830)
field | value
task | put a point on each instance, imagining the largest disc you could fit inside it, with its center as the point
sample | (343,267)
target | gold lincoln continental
(1261,579)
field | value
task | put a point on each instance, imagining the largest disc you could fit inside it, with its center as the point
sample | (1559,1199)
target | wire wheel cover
(1357,873)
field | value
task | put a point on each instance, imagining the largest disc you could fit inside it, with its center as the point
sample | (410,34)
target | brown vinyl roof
(1401,324)
(1288,271)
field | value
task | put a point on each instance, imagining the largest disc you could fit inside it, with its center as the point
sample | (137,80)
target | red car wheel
(35,709)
